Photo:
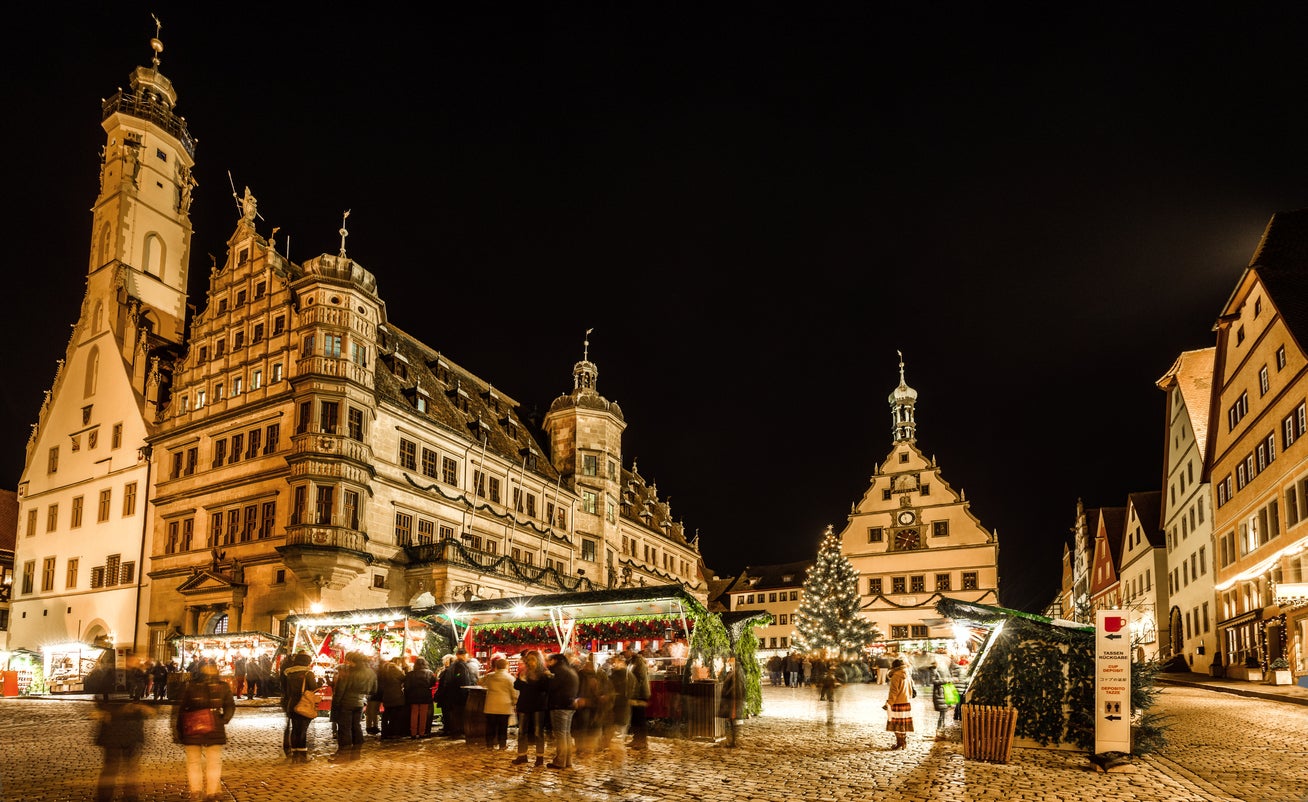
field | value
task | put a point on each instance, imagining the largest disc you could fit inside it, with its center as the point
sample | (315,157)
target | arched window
(102,250)
(154,255)
(92,372)
(218,624)
(97,317)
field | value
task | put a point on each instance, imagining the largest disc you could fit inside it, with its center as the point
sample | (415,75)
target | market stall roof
(671,600)
(230,637)
(376,615)
(986,615)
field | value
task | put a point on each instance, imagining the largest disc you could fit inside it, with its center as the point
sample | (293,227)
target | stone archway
(1176,634)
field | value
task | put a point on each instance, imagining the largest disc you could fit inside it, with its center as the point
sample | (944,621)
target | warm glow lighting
(316,607)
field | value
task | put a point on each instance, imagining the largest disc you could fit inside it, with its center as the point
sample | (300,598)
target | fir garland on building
(829,621)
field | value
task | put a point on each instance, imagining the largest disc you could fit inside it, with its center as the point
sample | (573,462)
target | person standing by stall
(532,685)
(452,693)
(731,703)
(390,686)
(500,699)
(355,682)
(200,726)
(639,699)
(297,679)
(562,691)
(418,685)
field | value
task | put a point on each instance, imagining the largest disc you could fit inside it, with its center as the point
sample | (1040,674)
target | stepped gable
(456,399)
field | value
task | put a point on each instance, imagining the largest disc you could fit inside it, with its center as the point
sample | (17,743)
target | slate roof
(1149,509)
(775,576)
(1114,519)
(1281,262)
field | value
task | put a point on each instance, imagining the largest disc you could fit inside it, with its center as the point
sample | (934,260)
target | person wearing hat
(899,707)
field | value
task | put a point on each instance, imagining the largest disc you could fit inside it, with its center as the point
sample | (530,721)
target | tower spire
(902,401)
(155,43)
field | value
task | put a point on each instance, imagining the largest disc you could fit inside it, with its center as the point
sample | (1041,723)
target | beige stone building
(290,449)
(1188,511)
(1257,457)
(1141,574)
(85,488)
(913,539)
(774,589)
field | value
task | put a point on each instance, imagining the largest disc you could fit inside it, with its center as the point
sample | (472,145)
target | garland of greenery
(614,628)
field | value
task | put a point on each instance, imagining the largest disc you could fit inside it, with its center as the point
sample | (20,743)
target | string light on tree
(828,620)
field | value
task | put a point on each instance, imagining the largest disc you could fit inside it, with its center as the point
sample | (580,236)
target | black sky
(753,208)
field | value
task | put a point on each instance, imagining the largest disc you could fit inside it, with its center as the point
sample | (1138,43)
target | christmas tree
(828,620)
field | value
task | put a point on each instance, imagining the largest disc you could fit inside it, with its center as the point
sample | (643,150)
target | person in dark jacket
(562,700)
(297,679)
(390,686)
(532,684)
(418,684)
(355,682)
(159,681)
(452,693)
(204,747)
(120,734)
(638,699)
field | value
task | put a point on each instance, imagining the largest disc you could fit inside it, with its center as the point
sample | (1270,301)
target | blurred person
(620,716)
(254,679)
(638,698)
(562,699)
(594,706)
(355,682)
(159,681)
(938,681)
(298,678)
(120,734)
(418,685)
(731,702)
(532,685)
(238,674)
(204,747)
(394,709)
(500,699)
(883,668)
(452,693)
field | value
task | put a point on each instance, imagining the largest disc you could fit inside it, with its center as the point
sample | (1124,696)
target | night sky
(754,209)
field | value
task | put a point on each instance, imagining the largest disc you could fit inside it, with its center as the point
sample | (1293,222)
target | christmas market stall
(223,648)
(681,639)
(1042,672)
(382,633)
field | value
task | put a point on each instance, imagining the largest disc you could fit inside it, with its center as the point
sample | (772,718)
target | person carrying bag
(300,701)
(200,726)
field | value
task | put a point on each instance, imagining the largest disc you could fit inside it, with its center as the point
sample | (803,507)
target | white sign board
(1112,682)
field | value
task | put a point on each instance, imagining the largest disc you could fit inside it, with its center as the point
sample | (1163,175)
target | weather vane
(156,44)
(585,346)
(344,233)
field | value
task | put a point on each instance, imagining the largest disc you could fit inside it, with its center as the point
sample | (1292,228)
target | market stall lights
(315,607)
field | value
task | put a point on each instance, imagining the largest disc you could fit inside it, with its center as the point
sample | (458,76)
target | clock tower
(913,540)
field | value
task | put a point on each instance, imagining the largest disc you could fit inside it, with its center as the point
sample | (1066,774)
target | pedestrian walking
(120,734)
(899,706)
(297,679)
(532,685)
(200,726)
(944,707)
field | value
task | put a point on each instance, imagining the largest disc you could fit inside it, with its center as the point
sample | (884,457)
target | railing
(323,443)
(452,552)
(335,366)
(330,537)
(147,108)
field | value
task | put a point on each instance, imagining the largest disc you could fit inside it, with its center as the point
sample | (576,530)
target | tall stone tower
(585,432)
(85,484)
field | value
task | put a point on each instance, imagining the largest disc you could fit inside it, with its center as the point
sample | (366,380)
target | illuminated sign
(1112,681)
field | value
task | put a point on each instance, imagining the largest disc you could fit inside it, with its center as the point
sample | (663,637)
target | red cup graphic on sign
(1113,623)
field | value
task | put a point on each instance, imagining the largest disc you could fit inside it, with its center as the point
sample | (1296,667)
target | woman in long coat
(899,717)
(204,750)
(418,685)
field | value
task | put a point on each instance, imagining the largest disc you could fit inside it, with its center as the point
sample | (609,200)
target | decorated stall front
(223,648)
(683,641)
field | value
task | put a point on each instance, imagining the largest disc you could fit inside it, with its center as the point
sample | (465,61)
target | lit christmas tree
(828,620)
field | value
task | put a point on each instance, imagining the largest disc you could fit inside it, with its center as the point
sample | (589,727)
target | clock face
(907,539)
(906,517)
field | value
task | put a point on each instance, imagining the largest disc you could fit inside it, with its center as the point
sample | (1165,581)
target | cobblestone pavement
(1222,747)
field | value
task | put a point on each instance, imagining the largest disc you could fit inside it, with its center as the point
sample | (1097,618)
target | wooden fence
(988,732)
